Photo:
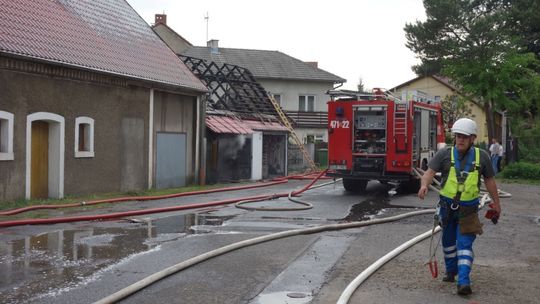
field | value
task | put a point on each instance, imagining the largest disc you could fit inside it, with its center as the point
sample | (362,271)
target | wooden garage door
(39,183)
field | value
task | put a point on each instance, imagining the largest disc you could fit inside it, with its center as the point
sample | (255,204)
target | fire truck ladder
(287,124)
(400,126)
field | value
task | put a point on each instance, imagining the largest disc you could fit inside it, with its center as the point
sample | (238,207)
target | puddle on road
(371,206)
(284,297)
(38,264)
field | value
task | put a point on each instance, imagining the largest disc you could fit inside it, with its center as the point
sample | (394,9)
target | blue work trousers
(457,247)
(494,162)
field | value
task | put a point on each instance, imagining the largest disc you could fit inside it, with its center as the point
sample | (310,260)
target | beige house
(437,88)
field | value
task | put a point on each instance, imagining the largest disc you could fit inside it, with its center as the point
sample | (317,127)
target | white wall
(304,132)
(256,155)
(291,89)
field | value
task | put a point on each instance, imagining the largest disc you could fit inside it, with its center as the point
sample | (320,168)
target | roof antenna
(207,17)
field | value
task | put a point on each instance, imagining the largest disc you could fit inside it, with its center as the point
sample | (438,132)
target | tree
(480,50)
(427,68)
(360,85)
(524,19)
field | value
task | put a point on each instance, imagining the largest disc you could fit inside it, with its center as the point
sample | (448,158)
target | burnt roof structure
(232,88)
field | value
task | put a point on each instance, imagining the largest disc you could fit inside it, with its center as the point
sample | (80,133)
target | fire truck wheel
(354,185)
(424,164)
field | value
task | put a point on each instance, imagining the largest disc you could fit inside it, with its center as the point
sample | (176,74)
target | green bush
(529,148)
(522,170)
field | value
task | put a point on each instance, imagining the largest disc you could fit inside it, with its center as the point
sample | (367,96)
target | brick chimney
(160,18)
(213,45)
(314,64)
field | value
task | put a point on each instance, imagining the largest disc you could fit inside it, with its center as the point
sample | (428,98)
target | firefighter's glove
(492,214)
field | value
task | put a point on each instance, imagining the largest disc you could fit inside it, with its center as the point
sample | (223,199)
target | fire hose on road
(195,260)
(131,289)
(344,298)
(157,197)
(106,216)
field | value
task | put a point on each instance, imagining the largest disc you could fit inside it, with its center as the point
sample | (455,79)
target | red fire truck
(380,137)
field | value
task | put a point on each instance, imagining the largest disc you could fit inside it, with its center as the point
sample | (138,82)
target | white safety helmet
(464,126)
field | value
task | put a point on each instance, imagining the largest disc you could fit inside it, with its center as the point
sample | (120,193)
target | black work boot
(464,290)
(450,277)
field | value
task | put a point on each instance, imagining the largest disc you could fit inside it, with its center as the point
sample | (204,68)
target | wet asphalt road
(84,262)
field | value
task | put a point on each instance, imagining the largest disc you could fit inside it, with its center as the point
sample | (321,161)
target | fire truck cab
(380,137)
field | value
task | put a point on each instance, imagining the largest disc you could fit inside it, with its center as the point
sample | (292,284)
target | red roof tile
(223,124)
(101,35)
(265,126)
(229,125)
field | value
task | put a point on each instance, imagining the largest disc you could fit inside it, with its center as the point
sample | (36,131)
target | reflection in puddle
(60,259)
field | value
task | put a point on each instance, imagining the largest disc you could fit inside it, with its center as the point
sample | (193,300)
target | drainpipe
(197,172)
(151,139)
(201,139)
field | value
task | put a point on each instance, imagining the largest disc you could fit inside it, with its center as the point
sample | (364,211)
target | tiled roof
(446,81)
(265,64)
(223,124)
(100,35)
(257,125)
(442,79)
(229,125)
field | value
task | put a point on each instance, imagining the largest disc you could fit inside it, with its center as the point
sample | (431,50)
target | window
(306,103)
(437,98)
(309,139)
(319,138)
(6,136)
(84,137)
(277,97)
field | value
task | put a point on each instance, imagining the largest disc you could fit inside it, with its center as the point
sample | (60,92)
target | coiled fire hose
(242,204)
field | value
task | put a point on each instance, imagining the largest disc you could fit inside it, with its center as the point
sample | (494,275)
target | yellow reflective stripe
(469,188)
(477,158)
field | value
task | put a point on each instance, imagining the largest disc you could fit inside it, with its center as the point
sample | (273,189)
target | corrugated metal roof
(101,35)
(265,64)
(229,125)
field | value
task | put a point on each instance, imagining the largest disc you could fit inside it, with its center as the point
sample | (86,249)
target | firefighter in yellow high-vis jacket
(461,167)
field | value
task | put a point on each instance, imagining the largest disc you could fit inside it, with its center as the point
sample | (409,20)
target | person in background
(462,167)
(495,151)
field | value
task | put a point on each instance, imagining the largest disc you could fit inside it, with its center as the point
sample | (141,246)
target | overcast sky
(349,38)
